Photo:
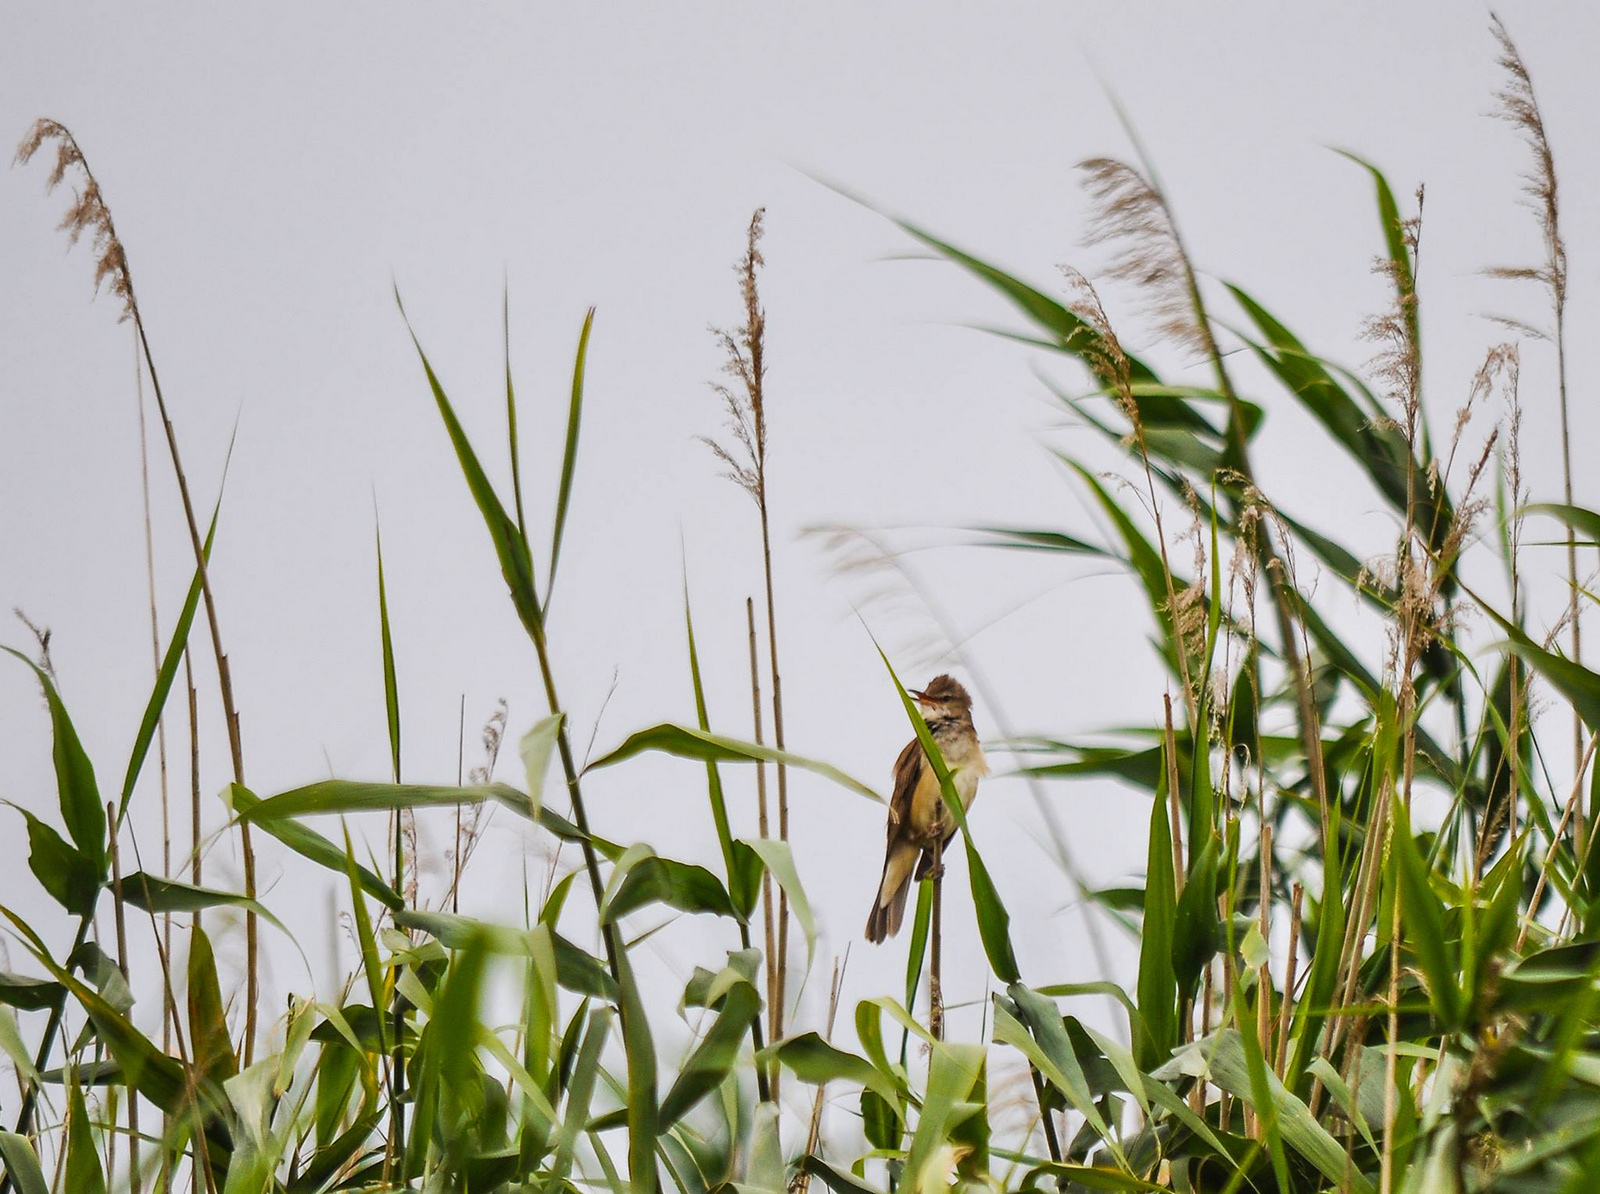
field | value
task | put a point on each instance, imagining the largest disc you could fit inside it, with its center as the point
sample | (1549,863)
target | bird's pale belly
(966,768)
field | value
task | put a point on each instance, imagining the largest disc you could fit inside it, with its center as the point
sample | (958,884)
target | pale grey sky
(273,170)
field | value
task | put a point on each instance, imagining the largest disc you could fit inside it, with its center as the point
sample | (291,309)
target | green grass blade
(569,455)
(79,795)
(307,843)
(510,547)
(83,1172)
(643,1109)
(778,857)
(719,807)
(657,880)
(1423,915)
(365,938)
(511,413)
(151,893)
(168,671)
(391,688)
(213,1053)
(1158,983)
(686,743)
(580,1093)
(714,1057)
(22,1164)
(537,747)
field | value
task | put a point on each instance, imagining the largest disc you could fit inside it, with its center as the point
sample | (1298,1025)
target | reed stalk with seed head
(745,402)
(1519,107)
(90,215)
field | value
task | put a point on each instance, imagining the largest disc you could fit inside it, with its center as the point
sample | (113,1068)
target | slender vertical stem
(936,937)
(1573,608)
(757,1040)
(461,750)
(769,925)
(783,775)
(195,867)
(1289,976)
(1264,925)
(1175,812)
(225,684)
(1051,1140)
(814,1134)
(155,657)
(580,815)
(135,1180)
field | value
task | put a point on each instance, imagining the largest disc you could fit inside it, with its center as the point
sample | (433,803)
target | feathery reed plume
(1106,359)
(1131,216)
(90,214)
(745,401)
(1519,107)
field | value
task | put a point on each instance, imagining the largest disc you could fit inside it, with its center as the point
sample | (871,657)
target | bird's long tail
(889,909)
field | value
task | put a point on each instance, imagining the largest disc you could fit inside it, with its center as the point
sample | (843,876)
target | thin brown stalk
(1568,814)
(461,756)
(135,1179)
(936,937)
(90,214)
(1519,107)
(802,1181)
(1286,1004)
(768,923)
(746,406)
(783,774)
(155,657)
(194,774)
(1175,812)
(1264,976)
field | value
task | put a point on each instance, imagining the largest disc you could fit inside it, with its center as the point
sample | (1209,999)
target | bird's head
(943,697)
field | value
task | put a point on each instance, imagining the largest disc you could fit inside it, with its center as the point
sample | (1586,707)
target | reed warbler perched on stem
(916,812)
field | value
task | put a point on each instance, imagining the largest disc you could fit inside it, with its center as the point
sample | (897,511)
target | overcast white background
(274,171)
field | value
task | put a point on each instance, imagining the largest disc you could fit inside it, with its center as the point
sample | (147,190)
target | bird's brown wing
(907,771)
(900,854)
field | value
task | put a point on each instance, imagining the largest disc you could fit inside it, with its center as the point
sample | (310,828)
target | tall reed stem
(768,923)
(936,936)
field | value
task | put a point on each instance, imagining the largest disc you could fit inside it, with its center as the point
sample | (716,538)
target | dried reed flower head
(1101,349)
(1131,215)
(1397,365)
(745,348)
(1519,108)
(88,213)
(494,732)
(476,821)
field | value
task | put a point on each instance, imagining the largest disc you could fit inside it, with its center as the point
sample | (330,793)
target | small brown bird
(916,811)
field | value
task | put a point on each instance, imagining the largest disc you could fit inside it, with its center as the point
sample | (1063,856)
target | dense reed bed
(1366,928)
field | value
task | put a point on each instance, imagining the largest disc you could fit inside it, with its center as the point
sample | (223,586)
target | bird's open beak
(922,697)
